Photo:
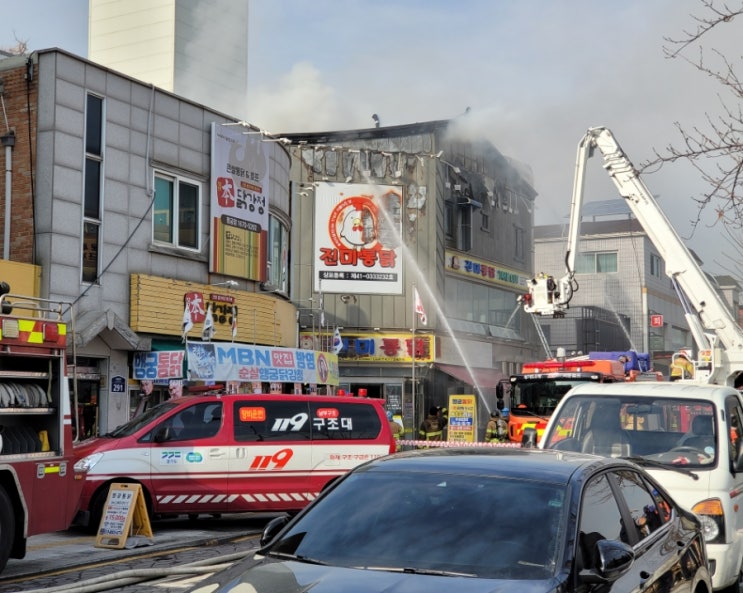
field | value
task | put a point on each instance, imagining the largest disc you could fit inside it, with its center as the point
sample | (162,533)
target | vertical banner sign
(462,425)
(358,230)
(239,203)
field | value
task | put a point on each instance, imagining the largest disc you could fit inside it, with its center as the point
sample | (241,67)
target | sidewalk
(54,552)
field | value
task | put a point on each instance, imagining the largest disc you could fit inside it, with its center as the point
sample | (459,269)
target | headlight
(86,463)
(712,516)
(710,529)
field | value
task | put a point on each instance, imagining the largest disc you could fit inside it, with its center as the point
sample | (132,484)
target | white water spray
(412,264)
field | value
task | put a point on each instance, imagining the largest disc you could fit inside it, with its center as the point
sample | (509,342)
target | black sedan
(481,520)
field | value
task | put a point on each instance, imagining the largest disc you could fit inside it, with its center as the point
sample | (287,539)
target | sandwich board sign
(124,516)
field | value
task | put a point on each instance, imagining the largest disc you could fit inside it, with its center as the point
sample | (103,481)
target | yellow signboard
(157,306)
(462,426)
(376,347)
(124,515)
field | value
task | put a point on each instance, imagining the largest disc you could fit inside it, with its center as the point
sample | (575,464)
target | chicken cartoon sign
(357,238)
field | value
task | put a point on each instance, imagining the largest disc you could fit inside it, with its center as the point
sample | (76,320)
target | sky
(534,74)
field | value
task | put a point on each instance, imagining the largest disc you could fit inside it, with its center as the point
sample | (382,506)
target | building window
(278,241)
(480,303)
(92,190)
(465,228)
(176,215)
(518,244)
(449,219)
(596,262)
(656,265)
(485,222)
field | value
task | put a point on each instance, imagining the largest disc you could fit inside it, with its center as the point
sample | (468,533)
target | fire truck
(717,335)
(534,393)
(39,492)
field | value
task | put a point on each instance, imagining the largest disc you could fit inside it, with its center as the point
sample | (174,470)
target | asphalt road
(181,553)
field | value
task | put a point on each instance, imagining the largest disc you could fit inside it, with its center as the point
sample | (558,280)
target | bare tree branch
(704,26)
(19,49)
(715,150)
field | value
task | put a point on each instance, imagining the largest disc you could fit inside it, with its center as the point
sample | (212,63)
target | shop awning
(483,378)
(110,328)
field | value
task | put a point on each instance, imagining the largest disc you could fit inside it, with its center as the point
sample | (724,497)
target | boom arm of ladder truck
(717,330)
(546,295)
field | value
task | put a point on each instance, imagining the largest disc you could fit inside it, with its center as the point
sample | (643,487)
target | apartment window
(519,244)
(596,262)
(485,222)
(278,241)
(92,190)
(176,214)
(656,264)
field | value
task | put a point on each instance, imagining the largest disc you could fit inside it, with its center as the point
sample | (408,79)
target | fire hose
(133,576)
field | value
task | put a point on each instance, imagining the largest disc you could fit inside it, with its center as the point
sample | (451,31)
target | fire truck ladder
(542,337)
(695,325)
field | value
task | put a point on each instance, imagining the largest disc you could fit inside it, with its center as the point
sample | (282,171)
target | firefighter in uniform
(681,367)
(443,414)
(491,430)
(497,428)
(430,429)
(396,430)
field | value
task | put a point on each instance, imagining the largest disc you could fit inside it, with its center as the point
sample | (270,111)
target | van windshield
(674,432)
(142,420)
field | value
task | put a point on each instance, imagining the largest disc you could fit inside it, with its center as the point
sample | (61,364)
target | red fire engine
(535,392)
(38,489)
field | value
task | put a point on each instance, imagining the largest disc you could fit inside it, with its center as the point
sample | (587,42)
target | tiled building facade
(622,284)
(109,207)
(94,153)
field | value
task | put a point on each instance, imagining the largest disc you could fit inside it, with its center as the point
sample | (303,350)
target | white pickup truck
(688,436)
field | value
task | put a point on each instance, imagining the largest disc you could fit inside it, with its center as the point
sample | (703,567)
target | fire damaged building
(416,243)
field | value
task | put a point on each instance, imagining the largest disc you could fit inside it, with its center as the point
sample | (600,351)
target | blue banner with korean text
(227,361)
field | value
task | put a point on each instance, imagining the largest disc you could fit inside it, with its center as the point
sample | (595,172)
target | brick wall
(17,96)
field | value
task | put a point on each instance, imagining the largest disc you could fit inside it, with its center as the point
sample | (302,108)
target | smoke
(534,75)
(301,101)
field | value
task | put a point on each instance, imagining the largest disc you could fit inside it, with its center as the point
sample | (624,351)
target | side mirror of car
(613,559)
(272,529)
(529,438)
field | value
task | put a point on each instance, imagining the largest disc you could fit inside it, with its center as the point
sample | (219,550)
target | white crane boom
(549,297)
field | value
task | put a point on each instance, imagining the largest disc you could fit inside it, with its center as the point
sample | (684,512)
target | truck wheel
(7,527)
(97,504)
(96,510)
(737,587)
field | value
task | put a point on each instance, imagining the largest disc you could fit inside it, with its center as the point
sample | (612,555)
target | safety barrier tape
(454,444)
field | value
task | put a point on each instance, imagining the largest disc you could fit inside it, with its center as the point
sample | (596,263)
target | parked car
(480,520)
(232,453)
(689,439)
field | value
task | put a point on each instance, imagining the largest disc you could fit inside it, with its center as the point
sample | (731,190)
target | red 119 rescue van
(232,453)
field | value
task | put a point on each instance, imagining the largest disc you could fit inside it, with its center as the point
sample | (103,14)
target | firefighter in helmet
(395,428)
(491,430)
(681,367)
(431,429)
